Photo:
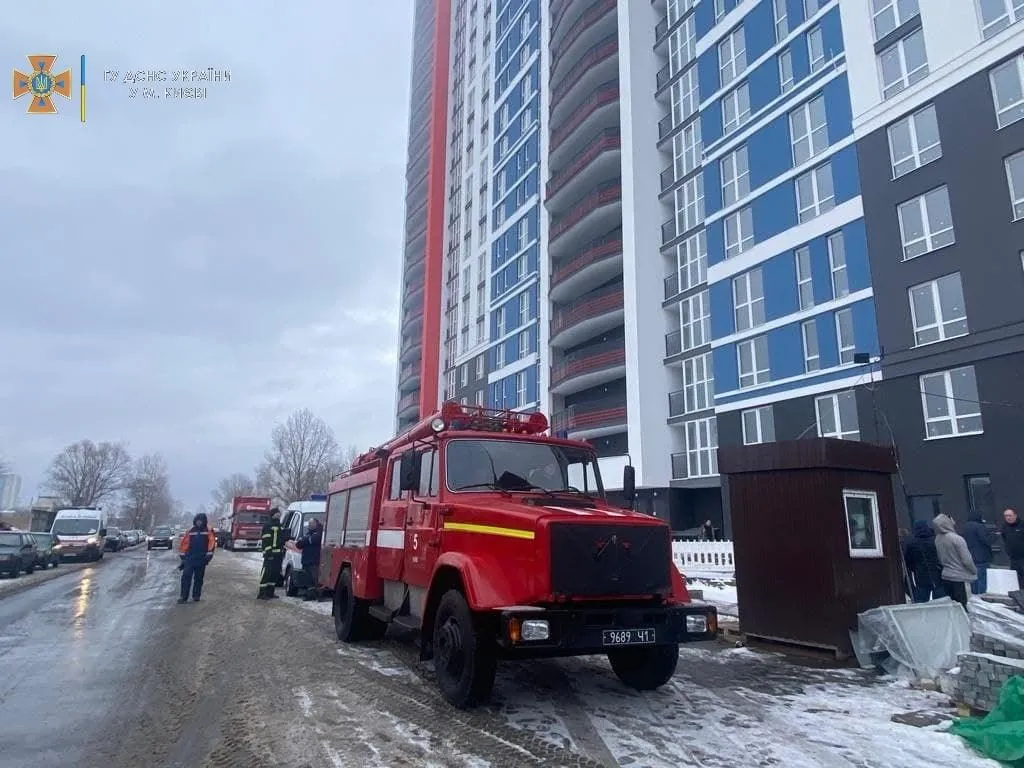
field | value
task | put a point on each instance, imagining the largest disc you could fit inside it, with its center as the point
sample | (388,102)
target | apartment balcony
(408,376)
(701,399)
(413,293)
(680,470)
(589,420)
(671,285)
(597,65)
(600,110)
(594,265)
(598,212)
(599,160)
(564,14)
(411,350)
(588,368)
(566,47)
(673,343)
(587,317)
(408,405)
(660,33)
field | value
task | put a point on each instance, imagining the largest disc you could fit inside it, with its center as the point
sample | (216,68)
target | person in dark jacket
(922,561)
(272,541)
(1013,541)
(979,542)
(309,545)
(707,531)
(196,552)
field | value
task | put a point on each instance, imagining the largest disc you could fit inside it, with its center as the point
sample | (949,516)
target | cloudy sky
(182,274)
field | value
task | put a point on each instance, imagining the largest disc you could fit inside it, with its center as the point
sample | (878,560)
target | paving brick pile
(982,676)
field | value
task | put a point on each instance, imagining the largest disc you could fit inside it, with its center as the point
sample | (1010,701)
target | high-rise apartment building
(937,94)
(760,220)
(10,490)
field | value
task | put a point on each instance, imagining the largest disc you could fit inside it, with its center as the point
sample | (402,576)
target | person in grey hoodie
(958,569)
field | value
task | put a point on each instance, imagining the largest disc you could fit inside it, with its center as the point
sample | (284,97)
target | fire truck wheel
(645,668)
(352,619)
(464,661)
(289,586)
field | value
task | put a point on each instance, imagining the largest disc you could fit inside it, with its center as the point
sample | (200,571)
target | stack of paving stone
(981,678)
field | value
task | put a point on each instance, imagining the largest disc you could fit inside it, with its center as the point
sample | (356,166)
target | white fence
(711,557)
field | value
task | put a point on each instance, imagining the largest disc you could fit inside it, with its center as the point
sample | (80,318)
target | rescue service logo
(41,85)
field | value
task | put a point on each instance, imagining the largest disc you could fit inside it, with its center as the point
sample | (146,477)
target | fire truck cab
(494,540)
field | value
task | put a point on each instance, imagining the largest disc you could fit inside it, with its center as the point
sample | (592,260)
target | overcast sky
(182,274)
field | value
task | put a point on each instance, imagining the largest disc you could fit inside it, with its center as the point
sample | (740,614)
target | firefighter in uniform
(272,541)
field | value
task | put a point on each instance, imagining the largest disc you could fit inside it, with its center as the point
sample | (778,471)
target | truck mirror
(629,483)
(409,471)
(103,531)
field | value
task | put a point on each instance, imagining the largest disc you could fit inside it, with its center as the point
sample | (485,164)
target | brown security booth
(815,537)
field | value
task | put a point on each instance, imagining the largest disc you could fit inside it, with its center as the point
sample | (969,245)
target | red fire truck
(248,515)
(494,540)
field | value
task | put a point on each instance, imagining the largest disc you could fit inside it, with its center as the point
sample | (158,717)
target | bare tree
(147,492)
(86,473)
(236,484)
(348,458)
(302,459)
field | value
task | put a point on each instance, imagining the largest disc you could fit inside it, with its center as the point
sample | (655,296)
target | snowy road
(102,668)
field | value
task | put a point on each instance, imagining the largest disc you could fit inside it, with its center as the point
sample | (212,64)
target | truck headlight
(697,624)
(91,540)
(535,629)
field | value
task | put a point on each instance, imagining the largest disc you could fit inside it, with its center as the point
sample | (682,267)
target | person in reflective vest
(196,552)
(272,542)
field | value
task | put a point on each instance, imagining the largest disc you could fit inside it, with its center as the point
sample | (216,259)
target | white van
(296,522)
(82,533)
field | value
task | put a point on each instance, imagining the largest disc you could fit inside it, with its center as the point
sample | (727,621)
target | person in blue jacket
(309,545)
(979,541)
(196,552)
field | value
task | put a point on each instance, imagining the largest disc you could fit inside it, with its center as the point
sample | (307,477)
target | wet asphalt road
(68,651)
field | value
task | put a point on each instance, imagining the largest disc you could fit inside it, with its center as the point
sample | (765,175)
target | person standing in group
(979,541)
(1013,540)
(309,546)
(957,565)
(272,541)
(923,563)
(196,552)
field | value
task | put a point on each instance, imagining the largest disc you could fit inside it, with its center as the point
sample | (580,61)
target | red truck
(495,541)
(248,515)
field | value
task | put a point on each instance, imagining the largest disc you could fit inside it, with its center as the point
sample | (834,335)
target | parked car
(17,553)
(49,549)
(133,537)
(161,536)
(115,539)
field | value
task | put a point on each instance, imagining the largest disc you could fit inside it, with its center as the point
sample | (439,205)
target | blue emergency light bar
(318,497)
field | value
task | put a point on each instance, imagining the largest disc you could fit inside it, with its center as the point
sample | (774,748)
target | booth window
(862,526)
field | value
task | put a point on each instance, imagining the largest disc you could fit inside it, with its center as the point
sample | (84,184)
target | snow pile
(720,593)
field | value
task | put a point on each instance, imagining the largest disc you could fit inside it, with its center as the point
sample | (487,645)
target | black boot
(182,600)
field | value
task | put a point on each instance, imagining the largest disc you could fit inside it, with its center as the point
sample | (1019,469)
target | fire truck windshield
(253,518)
(521,465)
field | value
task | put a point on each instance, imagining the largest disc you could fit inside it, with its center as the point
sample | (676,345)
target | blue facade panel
(769,152)
(759,30)
(707,73)
(780,290)
(785,352)
(723,320)
(727,374)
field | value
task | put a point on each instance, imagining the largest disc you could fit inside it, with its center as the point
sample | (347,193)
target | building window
(781,20)
(863,529)
(816,48)
(804,278)
(980,498)
(758,425)
(698,383)
(903,64)
(926,223)
(1008,91)
(786,77)
(997,15)
(719,9)
(684,95)
(524,307)
(837,266)
(692,260)
(735,108)
(752,357)
(808,130)
(950,403)
(914,141)
(479,398)
(686,149)
(524,344)
(735,176)
(812,355)
(837,415)
(520,389)
(925,507)
(748,300)
(480,367)
(682,46)
(815,194)
(702,447)
(845,336)
(451,383)
(811,7)
(499,356)
(739,232)
(937,310)
(695,321)
(689,199)
(464,374)
(1015,179)
(732,56)
(886,15)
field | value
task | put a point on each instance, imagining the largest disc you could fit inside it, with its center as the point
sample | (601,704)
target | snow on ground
(720,592)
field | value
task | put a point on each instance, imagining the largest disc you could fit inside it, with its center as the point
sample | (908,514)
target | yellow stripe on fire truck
(493,530)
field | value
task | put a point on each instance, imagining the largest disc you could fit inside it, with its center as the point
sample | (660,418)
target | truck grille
(608,560)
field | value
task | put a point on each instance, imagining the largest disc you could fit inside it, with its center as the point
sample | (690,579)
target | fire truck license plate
(627,636)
